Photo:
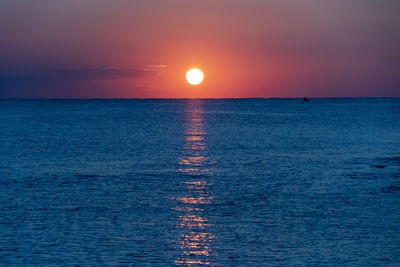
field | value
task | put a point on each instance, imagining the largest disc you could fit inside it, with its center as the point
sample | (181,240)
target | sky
(246,48)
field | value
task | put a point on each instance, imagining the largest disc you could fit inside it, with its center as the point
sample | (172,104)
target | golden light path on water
(195,239)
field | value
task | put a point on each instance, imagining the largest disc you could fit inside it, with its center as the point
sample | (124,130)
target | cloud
(156,68)
(76,75)
(37,82)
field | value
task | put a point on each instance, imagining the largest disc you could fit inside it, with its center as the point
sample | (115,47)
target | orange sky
(253,48)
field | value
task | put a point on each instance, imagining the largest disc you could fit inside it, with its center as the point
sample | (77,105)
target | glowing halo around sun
(194,76)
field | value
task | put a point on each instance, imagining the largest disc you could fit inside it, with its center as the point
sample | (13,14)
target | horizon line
(183,98)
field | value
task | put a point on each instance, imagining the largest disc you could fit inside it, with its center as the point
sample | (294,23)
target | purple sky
(252,48)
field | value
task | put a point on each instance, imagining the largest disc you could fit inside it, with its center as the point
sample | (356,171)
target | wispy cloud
(76,75)
(155,68)
(37,81)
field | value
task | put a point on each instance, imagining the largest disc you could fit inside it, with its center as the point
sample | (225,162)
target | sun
(194,76)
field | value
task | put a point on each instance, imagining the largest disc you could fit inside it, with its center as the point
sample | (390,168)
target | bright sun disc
(194,76)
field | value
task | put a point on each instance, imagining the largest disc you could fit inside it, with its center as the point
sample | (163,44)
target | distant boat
(305,99)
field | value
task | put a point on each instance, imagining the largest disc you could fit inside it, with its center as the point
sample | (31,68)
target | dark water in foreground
(191,182)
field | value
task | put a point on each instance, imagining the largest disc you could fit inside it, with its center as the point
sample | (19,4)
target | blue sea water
(245,182)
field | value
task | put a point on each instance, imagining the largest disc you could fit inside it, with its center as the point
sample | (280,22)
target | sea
(193,182)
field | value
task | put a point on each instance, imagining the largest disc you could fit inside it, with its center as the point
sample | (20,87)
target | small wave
(390,189)
(87,176)
(390,160)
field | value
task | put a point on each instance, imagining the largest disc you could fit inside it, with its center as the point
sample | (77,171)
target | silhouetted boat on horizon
(305,99)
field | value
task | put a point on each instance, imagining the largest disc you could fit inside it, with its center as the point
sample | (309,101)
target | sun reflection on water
(195,239)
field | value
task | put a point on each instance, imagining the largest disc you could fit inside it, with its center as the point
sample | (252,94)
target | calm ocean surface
(250,182)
